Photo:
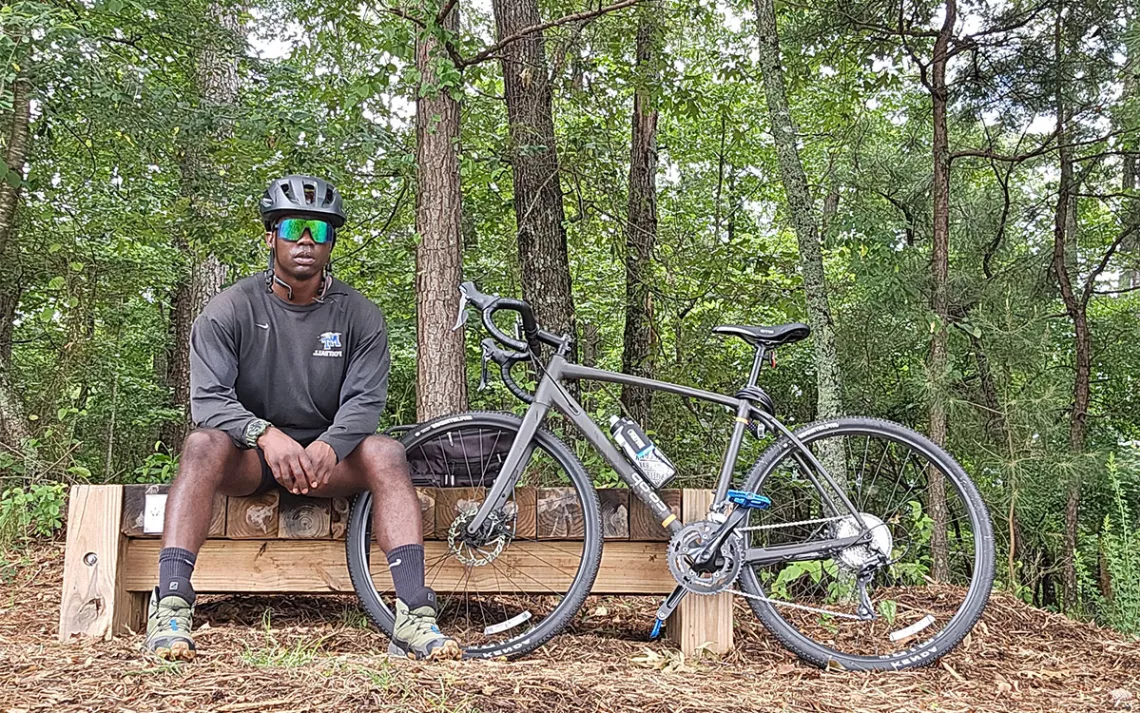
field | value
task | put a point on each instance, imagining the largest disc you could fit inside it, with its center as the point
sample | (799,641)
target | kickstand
(666,609)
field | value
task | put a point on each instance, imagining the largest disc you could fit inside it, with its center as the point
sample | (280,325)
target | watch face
(254,430)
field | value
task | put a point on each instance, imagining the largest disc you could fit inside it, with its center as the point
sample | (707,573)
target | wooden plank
(253,516)
(139,499)
(318,566)
(301,517)
(130,608)
(615,513)
(427,511)
(218,516)
(338,517)
(701,623)
(448,504)
(526,521)
(91,564)
(644,525)
(559,514)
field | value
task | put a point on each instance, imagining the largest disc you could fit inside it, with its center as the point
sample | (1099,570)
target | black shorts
(268,482)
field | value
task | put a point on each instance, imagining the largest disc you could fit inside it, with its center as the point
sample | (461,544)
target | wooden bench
(279,543)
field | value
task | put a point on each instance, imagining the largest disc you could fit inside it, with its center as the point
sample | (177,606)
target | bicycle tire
(981,583)
(357,540)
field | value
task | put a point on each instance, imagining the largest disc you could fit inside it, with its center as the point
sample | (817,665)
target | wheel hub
(719,574)
(858,557)
(482,547)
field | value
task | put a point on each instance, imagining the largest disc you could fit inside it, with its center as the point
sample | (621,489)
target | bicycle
(840,570)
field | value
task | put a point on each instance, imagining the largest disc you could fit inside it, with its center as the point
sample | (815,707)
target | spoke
(862,470)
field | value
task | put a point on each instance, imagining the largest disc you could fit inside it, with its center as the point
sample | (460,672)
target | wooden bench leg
(94,602)
(701,623)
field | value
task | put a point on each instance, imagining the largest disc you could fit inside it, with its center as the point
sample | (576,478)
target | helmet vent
(310,193)
(328,195)
(286,190)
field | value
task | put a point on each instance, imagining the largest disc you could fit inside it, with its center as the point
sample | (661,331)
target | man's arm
(364,392)
(213,373)
(214,402)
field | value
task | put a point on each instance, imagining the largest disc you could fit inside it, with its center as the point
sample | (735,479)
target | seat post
(754,376)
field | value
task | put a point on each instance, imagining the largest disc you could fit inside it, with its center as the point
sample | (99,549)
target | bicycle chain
(817,521)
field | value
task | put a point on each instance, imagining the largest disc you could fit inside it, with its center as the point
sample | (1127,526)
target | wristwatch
(254,430)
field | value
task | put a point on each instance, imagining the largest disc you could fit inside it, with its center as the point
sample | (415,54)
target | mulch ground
(284,654)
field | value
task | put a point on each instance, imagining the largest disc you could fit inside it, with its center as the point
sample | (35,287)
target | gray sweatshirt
(317,371)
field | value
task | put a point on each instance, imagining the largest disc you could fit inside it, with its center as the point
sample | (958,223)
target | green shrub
(159,467)
(35,511)
(1121,545)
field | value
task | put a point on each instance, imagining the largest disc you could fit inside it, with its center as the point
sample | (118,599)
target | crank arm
(666,609)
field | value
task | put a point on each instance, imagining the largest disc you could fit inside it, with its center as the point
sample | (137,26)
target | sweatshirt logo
(330,345)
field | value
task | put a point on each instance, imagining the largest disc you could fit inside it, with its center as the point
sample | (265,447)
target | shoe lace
(174,613)
(424,624)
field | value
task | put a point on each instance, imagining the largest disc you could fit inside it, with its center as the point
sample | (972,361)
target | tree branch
(445,11)
(576,17)
(1091,279)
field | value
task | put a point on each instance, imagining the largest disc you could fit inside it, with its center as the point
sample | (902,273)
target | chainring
(688,540)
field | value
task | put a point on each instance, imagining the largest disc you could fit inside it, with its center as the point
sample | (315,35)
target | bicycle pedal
(745,499)
(658,624)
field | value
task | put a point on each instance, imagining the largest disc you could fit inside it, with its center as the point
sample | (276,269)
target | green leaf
(56,283)
(888,609)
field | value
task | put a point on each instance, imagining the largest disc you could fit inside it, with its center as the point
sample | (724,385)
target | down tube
(573,411)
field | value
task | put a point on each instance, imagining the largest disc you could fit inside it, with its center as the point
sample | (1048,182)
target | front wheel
(909,593)
(515,588)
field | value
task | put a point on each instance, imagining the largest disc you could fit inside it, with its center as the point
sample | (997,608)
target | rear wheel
(510,592)
(901,600)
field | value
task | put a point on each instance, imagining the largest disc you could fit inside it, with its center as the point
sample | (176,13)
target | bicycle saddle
(767,336)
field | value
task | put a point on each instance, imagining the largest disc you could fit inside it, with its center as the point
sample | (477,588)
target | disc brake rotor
(483,547)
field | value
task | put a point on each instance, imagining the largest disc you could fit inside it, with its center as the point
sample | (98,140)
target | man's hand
(287,459)
(323,460)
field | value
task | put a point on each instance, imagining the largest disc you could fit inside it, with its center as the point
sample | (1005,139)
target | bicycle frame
(550,393)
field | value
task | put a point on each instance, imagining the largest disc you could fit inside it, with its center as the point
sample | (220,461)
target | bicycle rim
(904,598)
(510,595)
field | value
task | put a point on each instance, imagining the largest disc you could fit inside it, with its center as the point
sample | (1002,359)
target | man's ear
(269,239)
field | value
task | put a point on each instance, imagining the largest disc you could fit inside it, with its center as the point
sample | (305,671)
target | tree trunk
(15,154)
(802,212)
(539,213)
(1130,169)
(216,80)
(939,298)
(1082,340)
(641,227)
(13,425)
(441,378)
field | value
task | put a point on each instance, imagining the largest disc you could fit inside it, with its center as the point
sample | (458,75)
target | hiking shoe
(168,628)
(417,636)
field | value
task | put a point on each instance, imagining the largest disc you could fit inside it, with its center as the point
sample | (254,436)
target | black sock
(175,566)
(406,563)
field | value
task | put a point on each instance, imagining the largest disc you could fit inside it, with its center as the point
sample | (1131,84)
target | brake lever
(461,317)
(483,383)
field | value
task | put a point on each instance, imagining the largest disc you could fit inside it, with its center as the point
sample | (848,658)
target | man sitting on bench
(288,377)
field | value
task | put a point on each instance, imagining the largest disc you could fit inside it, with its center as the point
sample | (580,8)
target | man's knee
(204,450)
(383,457)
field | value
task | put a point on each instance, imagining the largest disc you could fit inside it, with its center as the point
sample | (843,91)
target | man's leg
(210,463)
(380,466)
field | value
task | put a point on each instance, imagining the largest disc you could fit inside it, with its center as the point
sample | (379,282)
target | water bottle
(646,457)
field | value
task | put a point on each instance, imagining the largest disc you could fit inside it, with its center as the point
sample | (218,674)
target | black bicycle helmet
(302,195)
